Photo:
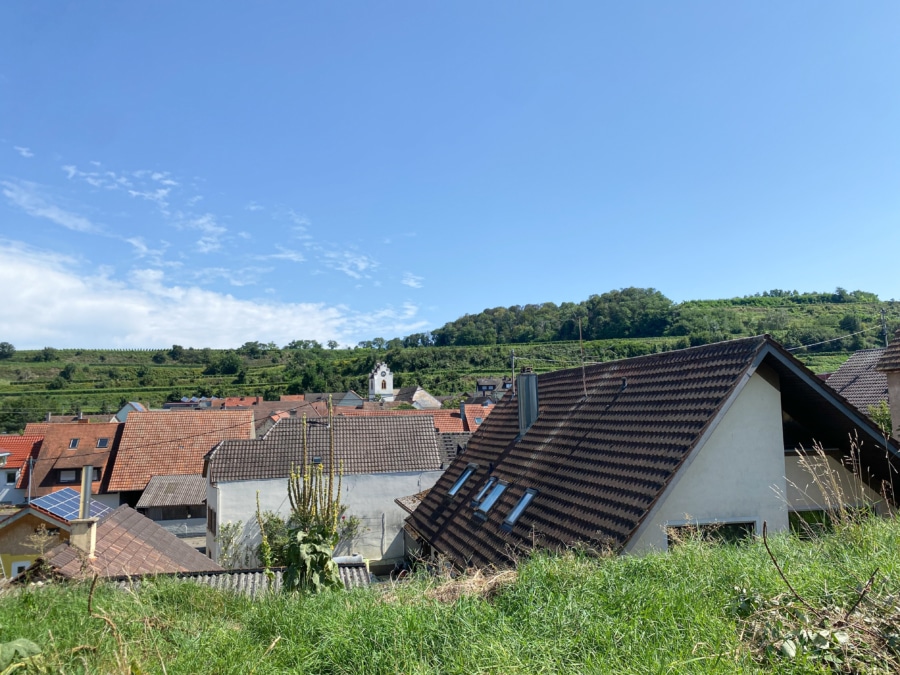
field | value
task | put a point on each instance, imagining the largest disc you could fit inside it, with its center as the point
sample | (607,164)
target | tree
(176,352)
(332,344)
(6,350)
(47,354)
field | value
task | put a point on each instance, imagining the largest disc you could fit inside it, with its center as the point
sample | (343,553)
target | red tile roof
(20,449)
(55,453)
(172,442)
(445,421)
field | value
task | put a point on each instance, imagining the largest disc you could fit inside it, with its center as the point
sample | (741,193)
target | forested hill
(793,318)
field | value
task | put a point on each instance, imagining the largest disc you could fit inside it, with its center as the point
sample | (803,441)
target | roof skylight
(518,509)
(483,490)
(491,499)
(467,472)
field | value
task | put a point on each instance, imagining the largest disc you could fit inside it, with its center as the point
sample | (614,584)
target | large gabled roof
(362,444)
(600,461)
(858,380)
(94,445)
(172,442)
(20,448)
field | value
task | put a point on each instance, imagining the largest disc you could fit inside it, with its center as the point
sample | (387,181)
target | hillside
(700,609)
(617,324)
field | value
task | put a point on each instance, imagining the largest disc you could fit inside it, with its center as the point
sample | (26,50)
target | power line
(792,349)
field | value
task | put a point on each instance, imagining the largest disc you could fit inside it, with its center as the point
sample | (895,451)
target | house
(417,398)
(265,413)
(339,399)
(129,407)
(493,387)
(383,457)
(617,455)
(465,420)
(14,454)
(859,381)
(889,364)
(64,450)
(120,543)
(19,545)
(170,443)
(178,505)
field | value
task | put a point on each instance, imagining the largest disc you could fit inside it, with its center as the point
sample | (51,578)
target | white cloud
(412,280)
(245,276)
(108,180)
(25,152)
(253,206)
(283,254)
(351,263)
(145,311)
(27,197)
(158,196)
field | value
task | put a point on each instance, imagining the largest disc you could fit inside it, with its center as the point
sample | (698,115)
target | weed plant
(678,612)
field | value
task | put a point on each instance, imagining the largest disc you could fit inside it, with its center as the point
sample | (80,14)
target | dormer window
(73,443)
(466,474)
(102,442)
(316,460)
(67,476)
(490,500)
(518,509)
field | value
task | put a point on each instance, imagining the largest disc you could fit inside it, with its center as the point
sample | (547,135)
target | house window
(384,384)
(316,460)
(67,476)
(96,475)
(19,567)
(73,443)
(479,420)
(469,470)
(11,477)
(490,500)
(102,442)
(483,490)
(718,533)
(211,520)
(518,509)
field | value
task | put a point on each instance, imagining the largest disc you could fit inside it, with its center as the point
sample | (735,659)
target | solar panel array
(66,502)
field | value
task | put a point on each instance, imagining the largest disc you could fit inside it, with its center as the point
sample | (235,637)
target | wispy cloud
(283,254)
(158,196)
(253,206)
(146,310)
(212,230)
(244,276)
(412,280)
(154,256)
(351,263)
(25,152)
(107,180)
(27,196)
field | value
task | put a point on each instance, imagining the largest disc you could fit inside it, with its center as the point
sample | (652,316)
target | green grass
(671,613)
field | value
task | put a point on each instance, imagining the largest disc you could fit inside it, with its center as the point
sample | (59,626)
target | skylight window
(483,491)
(102,442)
(490,500)
(518,509)
(73,443)
(467,472)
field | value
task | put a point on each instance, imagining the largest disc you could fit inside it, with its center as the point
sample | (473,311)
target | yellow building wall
(14,541)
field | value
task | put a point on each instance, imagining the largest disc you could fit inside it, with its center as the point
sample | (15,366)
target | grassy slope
(673,613)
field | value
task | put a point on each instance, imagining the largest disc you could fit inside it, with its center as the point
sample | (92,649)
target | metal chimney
(83,532)
(527,391)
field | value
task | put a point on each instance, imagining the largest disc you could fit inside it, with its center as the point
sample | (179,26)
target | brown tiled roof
(85,419)
(54,453)
(362,444)
(20,448)
(600,462)
(858,381)
(890,360)
(172,442)
(129,544)
(411,502)
(173,491)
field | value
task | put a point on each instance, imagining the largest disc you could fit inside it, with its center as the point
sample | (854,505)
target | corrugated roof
(599,462)
(858,381)
(173,491)
(172,442)
(129,544)
(362,444)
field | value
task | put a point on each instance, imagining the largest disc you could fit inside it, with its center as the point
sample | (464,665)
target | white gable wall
(369,497)
(736,476)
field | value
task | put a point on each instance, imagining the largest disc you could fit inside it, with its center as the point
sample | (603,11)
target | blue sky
(211,173)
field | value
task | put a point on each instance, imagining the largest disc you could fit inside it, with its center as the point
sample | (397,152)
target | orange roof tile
(172,442)
(56,452)
(445,421)
(19,448)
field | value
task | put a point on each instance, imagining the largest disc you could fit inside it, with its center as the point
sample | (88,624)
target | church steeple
(381,383)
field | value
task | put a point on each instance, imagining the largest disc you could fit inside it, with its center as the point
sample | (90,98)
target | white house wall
(369,497)
(736,476)
(893,379)
(816,483)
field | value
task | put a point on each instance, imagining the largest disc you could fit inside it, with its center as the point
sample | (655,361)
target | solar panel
(66,502)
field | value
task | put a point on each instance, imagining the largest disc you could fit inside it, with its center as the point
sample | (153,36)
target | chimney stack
(83,534)
(527,391)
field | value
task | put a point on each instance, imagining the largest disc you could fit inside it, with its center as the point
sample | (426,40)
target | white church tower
(381,383)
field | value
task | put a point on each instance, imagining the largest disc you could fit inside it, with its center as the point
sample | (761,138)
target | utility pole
(884,327)
(512,363)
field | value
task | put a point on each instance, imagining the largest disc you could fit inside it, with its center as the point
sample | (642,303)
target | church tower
(381,383)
